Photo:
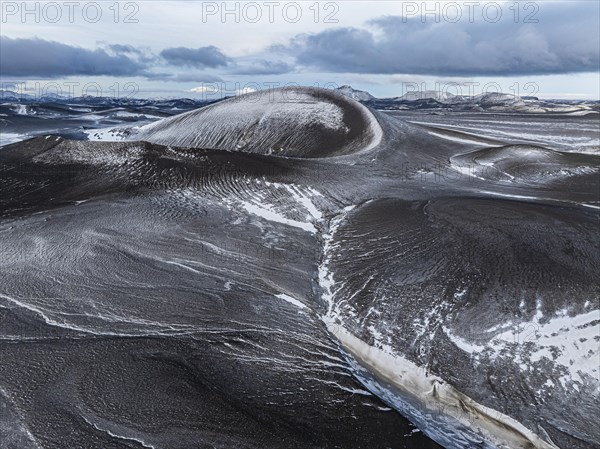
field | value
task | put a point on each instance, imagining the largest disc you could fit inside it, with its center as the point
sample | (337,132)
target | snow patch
(291,300)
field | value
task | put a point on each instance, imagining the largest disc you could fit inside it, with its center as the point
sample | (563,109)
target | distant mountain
(495,99)
(8,96)
(492,102)
(442,97)
(358,95)
(414,100)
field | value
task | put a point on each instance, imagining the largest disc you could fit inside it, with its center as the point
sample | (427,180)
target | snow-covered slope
(292,122)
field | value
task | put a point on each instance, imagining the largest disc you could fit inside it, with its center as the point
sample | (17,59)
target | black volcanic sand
(530,164)
(184,393)
(47,116)
(292,122)
(479,264)
(140,292)
(164,324)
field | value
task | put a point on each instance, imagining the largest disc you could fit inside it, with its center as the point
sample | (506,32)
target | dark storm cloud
(209,56)
(47,59)
(119,48)
(144,55)
(564,40)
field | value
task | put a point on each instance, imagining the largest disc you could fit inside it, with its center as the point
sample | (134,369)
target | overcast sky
(152,48)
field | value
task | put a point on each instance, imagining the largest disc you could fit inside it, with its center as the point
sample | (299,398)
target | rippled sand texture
(294,270)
